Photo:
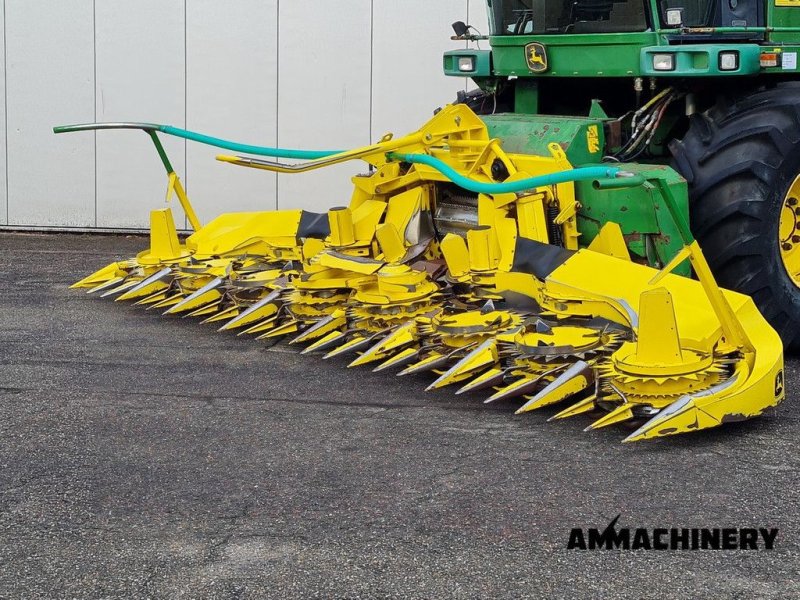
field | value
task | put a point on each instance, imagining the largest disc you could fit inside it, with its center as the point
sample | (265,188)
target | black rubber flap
(537,258)
(313,225)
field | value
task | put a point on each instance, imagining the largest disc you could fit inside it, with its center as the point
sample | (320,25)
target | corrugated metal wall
(297,73)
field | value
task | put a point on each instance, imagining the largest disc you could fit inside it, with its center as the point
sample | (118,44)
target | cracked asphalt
(151,457)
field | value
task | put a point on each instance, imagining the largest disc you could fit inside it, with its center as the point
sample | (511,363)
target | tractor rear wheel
(741,160)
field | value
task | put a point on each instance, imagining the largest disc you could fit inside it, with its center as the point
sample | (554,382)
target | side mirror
(460,28)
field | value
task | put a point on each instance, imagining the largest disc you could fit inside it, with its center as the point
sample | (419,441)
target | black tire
(739,159)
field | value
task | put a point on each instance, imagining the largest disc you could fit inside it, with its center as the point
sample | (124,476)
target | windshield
(526,17)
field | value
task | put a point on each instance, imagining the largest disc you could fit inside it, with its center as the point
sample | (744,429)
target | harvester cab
(708,88)
(510,246)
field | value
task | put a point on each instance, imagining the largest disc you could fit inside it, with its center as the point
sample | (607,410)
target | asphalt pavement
(148,456)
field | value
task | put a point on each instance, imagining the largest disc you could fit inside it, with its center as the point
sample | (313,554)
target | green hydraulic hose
(481,187)
(580,174)
(246,148)
(203,139)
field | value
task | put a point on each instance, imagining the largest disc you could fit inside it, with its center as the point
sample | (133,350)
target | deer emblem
(536,57)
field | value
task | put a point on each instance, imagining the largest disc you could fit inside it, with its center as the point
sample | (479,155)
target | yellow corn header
(489,291)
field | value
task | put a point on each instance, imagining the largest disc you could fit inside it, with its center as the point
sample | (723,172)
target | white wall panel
(409,39)
(323,93)
(298,73)
(50,81)
(3,188)
(231,93)
(140,77)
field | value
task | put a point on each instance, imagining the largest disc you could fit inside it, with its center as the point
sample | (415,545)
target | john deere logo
(536,57)
(779,384)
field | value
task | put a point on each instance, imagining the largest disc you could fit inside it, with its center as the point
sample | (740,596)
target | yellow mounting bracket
(731,326)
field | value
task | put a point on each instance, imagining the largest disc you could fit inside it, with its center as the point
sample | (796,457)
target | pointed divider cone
(370,355)
(490,378)
(329,340)
(623,412)
(335,321)
(357,343)
(106,285)
(580,407)
(149,285)
(227,313)
(398,338)
(208,309)
(168,301)
(261,326)
(398,360)
(680,416)
(139,293)
(206,294)
(575,379)
(282,329)
(523,385)
(258,311)
(432,361)
(151,299)
(482,357)
(112,271)
(126,285)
